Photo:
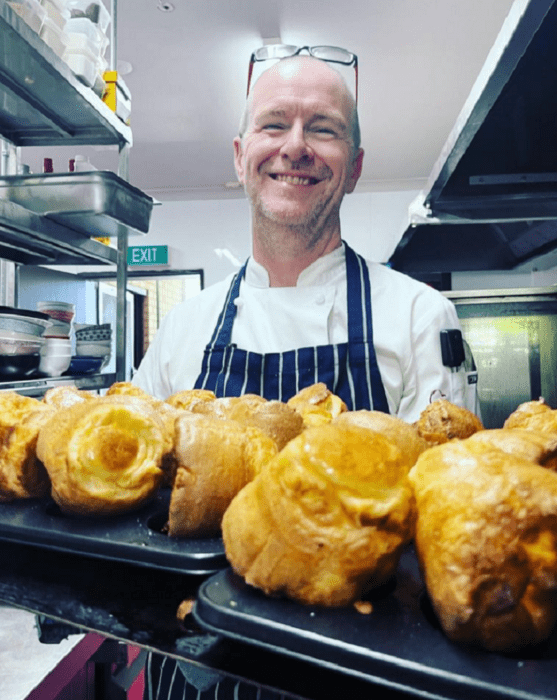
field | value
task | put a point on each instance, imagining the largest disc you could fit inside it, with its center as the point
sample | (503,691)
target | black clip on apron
(348,369)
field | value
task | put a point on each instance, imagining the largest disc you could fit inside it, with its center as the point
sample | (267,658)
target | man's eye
(323,131)
(273,127)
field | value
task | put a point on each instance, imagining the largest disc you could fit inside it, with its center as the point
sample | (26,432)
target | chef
(305,307)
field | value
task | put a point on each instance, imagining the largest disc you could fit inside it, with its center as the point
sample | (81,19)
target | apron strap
(358,292)
(223,330)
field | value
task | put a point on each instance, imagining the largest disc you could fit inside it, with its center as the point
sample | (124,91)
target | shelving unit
(42,103)
(491,199)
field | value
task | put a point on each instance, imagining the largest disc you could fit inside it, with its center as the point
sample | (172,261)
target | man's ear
(239,159)
(356,171)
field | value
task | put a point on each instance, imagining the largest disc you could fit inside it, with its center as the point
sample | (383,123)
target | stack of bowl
(93,341)
(56,353)
(21,342)
(61,314)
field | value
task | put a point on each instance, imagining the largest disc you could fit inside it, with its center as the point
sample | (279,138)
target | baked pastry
(21,473)
(535,447)
(274,418)
(127,389)
(103,456)
(65,395)
(522,415)
(403,434)
(167,415)
(216,458)
(325,520)
(317,405)
(188,399)
(442,421)
(535,416)
(486,539)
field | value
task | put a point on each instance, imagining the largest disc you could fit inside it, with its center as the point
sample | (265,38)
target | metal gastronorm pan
(399,645)
(133,538)
(96,203)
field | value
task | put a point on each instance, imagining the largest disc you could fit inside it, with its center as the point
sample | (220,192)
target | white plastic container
(53,36)
(12,343)
(83,64)
(55,12)
(82,32)
(31,11)
(92,9)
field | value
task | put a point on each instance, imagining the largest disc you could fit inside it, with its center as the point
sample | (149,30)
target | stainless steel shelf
(43,101)
(37,387)
(31,239)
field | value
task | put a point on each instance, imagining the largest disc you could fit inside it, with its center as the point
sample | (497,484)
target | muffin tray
(135,538)
(399,645)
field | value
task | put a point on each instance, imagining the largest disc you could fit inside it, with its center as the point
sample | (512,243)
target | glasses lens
(332,53)
(264,53)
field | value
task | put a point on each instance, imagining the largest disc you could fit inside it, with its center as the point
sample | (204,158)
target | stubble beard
(307,228)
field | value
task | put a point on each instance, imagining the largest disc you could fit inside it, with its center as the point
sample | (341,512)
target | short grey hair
(354,125)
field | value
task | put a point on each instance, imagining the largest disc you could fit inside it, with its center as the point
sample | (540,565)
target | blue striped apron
(348,369)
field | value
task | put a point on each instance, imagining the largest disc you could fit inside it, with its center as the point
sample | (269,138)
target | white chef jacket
(407,319)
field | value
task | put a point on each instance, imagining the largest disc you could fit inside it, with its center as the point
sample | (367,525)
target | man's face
(296,159)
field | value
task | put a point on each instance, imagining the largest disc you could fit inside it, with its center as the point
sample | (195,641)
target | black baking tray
(399,645)
(134,538)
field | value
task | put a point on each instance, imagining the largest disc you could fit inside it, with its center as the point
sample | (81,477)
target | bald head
(311,71)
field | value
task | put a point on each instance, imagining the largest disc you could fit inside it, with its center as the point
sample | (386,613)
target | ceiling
(418,60)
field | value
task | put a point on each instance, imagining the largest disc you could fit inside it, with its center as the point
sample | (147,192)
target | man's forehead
(309,83)
(301,69)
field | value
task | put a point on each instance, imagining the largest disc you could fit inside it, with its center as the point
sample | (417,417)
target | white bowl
(54,365)
(98,349)
(57,344)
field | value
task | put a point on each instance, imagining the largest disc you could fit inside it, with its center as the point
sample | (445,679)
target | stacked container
(86,41)
(52,30)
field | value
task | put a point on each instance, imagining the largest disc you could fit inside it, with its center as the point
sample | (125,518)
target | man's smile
(294,179)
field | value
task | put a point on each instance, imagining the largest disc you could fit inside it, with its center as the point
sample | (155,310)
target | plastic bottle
(82,164)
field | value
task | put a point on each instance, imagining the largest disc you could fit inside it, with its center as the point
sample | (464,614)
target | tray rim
(396,672)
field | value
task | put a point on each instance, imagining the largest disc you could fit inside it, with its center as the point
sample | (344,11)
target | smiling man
(297,159)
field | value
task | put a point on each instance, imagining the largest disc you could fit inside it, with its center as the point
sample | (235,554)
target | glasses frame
(310,49)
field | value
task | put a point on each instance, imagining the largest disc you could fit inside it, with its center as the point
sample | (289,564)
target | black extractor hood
(491,200)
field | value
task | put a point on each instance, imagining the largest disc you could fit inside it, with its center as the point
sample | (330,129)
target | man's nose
(295,146)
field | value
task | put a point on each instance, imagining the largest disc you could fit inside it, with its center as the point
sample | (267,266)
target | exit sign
(148,255)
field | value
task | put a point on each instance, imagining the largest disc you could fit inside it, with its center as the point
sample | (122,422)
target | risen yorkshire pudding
(317,405)
(325,520)
(216,458)
(274,418)
(401,433)
(535,447)
(521,416)
(21,473)
(535,416)
(127,389)
(442,421)
(103,456)
(486,538)
(190,398)
(65,395)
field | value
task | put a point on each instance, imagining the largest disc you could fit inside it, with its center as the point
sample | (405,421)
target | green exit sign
(148,255)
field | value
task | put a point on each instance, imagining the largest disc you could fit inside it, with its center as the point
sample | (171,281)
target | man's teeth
(294,179)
